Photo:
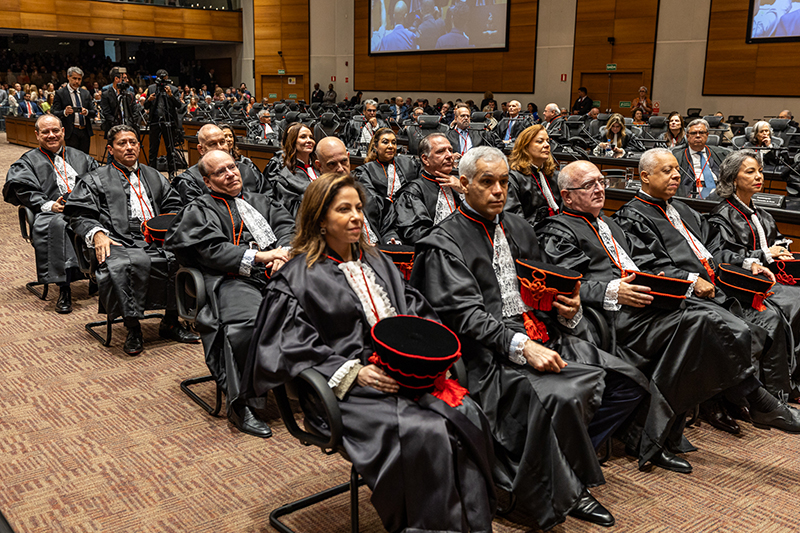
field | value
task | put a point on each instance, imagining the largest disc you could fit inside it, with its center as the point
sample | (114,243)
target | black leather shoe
(134,343)
(177,333)
(590,510)
(245,421)
(669,461)
(783,417)
(713,413)
(64,302)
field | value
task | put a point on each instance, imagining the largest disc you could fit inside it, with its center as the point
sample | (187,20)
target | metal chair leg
(108,323)
(308,501)
(185,384)
(606,453)
(41,295)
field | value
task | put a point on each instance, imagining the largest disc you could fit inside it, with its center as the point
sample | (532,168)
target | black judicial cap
(540,283)
(787,272)
(401,255)
(667,293)
(155,229)
(750,289)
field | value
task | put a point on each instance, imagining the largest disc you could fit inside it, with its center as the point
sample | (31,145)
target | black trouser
(157,131)
(80,139)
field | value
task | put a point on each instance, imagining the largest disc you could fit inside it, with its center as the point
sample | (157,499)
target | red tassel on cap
(405,269)
(449,391)
(536,295)
(535,328)
(758,300)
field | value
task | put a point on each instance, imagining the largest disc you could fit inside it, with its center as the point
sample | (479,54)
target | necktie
(30,110)
(708,177)
(508,130)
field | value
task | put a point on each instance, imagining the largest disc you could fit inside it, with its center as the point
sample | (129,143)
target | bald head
(578,182)
(210,137)
(400,12)
(332,156)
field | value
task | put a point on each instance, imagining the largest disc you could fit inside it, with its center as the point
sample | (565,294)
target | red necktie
(30,111)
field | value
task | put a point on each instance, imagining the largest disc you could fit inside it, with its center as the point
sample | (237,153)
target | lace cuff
(574,321)
(610,301)
(515,350)
(246,264)
(91,234)
(783,242)
(748,262)
(693,277)
(343,379)
(47,206)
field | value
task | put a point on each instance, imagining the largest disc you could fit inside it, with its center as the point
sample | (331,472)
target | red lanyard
(464,138)
(374,308)
(391,191)
(755,241)
(236,238)
(139,193)
(482,224)
(618,262)
(65,177)
(698,180)
(451,207)
(303,167)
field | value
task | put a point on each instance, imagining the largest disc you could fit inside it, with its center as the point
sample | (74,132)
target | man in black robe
(684,247)
(233,236)
(433,196)
(41,180)
(547,416)
(106,209)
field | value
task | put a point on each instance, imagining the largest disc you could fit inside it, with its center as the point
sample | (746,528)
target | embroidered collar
(653,199)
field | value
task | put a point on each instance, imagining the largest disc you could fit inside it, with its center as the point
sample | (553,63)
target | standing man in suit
(163,105)
(75,107)
(583,104)
(462,138)
(109,102)
(699,163)
(317,95)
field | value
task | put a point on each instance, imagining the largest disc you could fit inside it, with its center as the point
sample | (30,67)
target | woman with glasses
(533,191)
(615,140)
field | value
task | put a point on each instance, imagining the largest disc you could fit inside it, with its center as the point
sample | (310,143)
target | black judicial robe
(647,224)
(202,236)
(190,183)
(136,276)
(731,219)
(290,187)
(542,456)
(31,181)
(689,354)
(412,459)
(415,208)
(373,178)
(525,196)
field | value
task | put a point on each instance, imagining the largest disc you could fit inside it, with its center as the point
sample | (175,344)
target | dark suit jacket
(173,103)
(582,107)
(687,186)
(517,126)
(109,105)
(35,109)
(479,138)
(62,99)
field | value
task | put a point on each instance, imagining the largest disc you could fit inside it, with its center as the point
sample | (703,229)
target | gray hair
(758,126)
(370,102)
(697,122)
(263,112)
(552,107)
(468,166)
(202,165)
(648,160)
(729,169)
(74,70)
(425,144)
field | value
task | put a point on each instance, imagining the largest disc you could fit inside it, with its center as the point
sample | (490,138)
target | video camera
(162,82)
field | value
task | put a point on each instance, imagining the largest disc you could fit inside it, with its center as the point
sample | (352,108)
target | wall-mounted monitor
(415,26)
(773,21)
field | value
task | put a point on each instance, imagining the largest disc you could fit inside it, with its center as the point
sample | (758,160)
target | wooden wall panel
(282,25)
(508,71)
(106,18)
(735,68)
(632,24)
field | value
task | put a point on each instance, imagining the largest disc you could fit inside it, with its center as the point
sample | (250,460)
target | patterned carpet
(91,440)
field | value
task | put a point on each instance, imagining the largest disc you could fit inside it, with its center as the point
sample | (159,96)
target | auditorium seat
(26,230)
(327,126)
(427,124)
(693,112)
(782,129)
(655,127)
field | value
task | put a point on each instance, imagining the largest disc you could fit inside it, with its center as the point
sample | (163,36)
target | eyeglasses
(224,170)
(591,185)
(697,133)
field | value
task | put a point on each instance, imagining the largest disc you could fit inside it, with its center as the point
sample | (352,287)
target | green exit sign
(281,71)
(611,66)
(273,95)
(625,104)
(294,96)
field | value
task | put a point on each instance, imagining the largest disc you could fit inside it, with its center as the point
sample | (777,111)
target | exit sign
(293,96)
(273,95)
(625,104)
(611,66)
(281,71)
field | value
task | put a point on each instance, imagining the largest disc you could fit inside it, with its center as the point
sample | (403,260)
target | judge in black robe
(297,172)
(190,184)
(41,180)
(213,235)
(547,421)
(132,275)
(414,456)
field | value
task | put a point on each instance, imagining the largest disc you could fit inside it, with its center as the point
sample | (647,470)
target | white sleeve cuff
(693,277)
(91,234)
(748,263)
(783,242)
(344,377)
(610,301)
(247,262)
(48,206)
(574,321)
(517,346)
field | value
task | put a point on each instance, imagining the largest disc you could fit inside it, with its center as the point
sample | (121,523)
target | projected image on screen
(777,20)
(398,26)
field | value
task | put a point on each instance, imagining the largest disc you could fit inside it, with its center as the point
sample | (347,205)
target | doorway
(613,88)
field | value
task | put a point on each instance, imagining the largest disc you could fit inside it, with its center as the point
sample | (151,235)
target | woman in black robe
(617,141)
(751,233)
(533,191)
(297,172)
(317,313)
(252,179)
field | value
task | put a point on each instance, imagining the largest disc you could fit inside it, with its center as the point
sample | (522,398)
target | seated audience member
(726,132)
(511,126)
(551,398)
(365,131)
(318,313)
(297,172)
(42,180)
(431,197)
(400,37)
(190,184)
(638,117)
(689,353)
(749,231)
(399,111)
(106,209)
(47,104)
(235,237)
(699,163)
(29,109)
(583,104)
(252,178)
(463,138)
(265,124)
(446,113)
(786,114)
(593,113)
(643,102)
(554,123)
(617,141)
(533,192)
(655,219)
(761,140)
(674,135)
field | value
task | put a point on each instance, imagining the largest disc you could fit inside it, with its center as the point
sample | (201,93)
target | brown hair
(680,136)
(520,159)
(290,145)
(372,151)
(314,208)
(235,150)
(614,119)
